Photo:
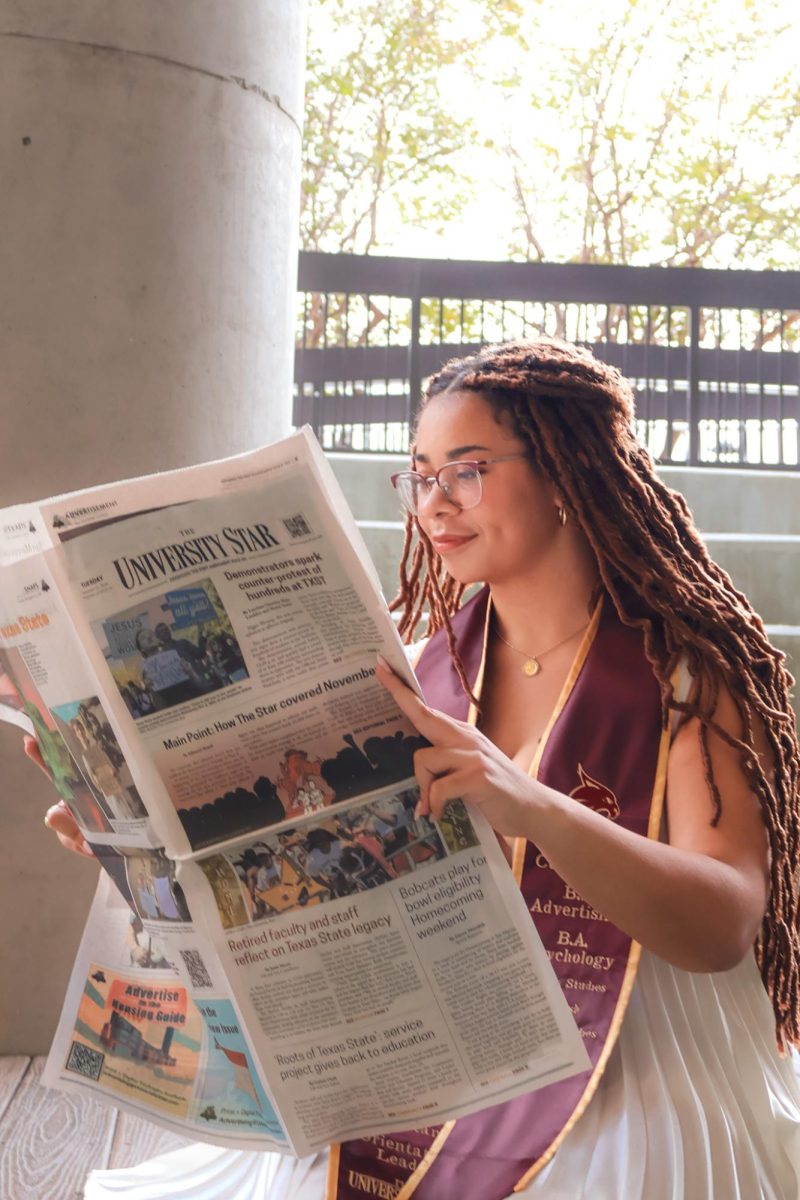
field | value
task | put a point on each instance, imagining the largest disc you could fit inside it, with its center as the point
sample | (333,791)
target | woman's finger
(431,724)
(444,789)
(34,753)
(435,762)
(63,824)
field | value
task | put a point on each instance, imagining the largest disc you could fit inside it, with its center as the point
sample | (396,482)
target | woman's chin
(462,572)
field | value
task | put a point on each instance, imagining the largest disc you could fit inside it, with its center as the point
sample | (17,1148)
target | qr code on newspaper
(83,1060)
(198,974)
(297,525)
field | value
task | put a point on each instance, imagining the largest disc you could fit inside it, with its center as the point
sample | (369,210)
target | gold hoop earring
(562,515)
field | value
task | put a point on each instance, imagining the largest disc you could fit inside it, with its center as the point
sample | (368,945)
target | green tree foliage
(669,132)
(381,137)
(633,131)
(379,132)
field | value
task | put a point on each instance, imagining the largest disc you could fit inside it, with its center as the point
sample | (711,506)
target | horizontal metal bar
(340,364)
(349,410)
(555,282)
(670,404)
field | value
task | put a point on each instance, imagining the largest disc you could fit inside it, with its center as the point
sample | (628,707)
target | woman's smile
(445,543)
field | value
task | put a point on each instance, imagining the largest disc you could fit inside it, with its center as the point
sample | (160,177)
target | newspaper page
(226,639)
(22,532)
(45,676)
(238,632)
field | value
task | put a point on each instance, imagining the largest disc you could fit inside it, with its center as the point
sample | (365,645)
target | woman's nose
(434,500)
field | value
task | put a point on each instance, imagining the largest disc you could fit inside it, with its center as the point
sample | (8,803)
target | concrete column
(149,193)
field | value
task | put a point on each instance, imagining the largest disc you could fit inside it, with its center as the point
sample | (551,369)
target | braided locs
(575,415)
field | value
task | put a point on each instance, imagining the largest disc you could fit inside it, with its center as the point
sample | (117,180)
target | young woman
(611,703)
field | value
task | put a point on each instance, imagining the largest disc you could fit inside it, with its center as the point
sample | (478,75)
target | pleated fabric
(696,1103)
(204,1172)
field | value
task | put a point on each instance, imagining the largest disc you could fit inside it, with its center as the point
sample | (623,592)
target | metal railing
(713,356)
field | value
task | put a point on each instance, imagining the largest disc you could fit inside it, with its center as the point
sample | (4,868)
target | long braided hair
(575,415)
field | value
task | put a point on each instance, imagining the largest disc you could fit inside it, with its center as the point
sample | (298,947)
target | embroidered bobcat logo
(595,795)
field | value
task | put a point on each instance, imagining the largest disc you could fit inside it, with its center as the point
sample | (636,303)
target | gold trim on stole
(631,968)
(518,862)
(518,859)
(332,1180)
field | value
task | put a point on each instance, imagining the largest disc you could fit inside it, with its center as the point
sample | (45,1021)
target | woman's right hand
(61,821)
(58,817)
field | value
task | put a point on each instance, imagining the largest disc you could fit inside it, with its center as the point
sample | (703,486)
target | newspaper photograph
(44,674)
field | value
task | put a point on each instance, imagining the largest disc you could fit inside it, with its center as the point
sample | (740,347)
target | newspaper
(282,952)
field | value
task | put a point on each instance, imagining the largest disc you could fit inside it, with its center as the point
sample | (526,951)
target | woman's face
(510,530)
(80,733)
(147,642)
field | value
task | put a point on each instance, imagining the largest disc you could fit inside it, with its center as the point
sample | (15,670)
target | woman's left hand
(462,764)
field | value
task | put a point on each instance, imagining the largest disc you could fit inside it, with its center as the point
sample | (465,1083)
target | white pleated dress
(695,1104)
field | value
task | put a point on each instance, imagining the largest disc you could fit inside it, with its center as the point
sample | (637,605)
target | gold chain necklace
(532,665)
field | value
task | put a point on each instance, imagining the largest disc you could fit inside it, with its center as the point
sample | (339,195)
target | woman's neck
(549,602)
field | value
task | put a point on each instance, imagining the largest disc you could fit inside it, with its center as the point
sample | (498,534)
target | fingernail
(381,661)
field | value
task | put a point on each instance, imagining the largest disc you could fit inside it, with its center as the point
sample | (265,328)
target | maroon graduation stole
(604,746)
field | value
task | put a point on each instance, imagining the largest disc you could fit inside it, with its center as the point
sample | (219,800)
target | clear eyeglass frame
(461,483)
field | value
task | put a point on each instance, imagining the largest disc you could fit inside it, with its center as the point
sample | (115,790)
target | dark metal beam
(588,283)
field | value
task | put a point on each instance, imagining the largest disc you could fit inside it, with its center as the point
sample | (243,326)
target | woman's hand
(697,902)
(462,763)
(58,817)
(61,821)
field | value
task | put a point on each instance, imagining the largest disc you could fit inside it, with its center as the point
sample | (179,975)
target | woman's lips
(446,543)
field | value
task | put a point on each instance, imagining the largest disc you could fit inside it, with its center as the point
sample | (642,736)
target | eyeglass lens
(459,483)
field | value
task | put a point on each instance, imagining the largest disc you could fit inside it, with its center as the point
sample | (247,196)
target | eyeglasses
(459,482)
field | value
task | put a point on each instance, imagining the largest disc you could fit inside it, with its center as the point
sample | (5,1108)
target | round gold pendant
(531,667)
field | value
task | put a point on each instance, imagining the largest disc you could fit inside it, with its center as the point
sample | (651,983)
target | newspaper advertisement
(271,900)
(161,1039)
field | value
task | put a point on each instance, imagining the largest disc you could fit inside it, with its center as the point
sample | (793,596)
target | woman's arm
(697,902)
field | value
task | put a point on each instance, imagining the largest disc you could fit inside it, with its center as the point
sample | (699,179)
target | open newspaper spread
(281,952)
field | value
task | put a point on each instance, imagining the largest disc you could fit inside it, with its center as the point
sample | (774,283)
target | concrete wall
(149,159)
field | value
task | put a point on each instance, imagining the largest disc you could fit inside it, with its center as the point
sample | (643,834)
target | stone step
(729,500)
(787,639)
(739,501)
(766,567)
